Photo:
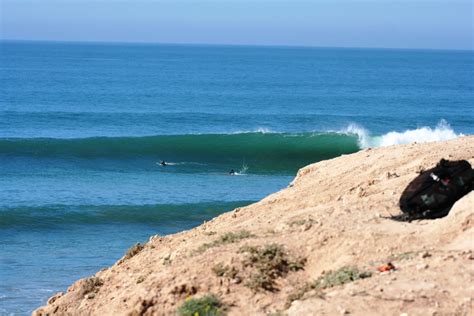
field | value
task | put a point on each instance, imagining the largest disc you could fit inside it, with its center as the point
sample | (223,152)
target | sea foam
(442,131)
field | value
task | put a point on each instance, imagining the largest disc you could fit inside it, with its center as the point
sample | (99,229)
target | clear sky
(445,24)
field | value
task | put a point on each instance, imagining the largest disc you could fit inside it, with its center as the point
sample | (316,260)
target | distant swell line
(159,214)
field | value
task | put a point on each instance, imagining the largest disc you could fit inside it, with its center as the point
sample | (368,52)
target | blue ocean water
(83,127)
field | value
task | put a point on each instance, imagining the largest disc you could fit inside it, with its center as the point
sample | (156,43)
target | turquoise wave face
(260,152)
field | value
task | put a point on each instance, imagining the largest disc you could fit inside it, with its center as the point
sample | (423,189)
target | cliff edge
(314,248)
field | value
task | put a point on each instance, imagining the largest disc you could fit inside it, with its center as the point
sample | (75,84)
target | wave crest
(363,135)
(442,131)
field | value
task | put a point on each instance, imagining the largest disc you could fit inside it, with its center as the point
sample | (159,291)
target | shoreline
(332,215)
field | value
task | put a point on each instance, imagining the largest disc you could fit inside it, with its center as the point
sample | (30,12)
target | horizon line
(228,45)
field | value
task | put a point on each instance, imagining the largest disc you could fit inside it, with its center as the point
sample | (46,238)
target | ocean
(83,127)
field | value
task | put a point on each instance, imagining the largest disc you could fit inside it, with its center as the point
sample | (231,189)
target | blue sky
(445,24)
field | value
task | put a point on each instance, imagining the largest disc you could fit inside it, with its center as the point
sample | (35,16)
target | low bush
(270,262)
(330,279)
(339,277)
(208,305)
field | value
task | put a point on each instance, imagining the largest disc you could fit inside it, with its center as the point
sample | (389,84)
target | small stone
(55,297)
(89,296)
(448,257)
(342,310)
(425,254)
(422,266)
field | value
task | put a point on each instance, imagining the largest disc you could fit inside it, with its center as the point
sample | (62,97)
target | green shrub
(330,279)
(208,305)
(339,277)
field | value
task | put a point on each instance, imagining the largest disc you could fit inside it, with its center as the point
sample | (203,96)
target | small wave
(184,163)
(259,130)
(242,171)
(50,216)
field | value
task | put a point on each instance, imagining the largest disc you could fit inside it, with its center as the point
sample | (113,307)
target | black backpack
(434,191)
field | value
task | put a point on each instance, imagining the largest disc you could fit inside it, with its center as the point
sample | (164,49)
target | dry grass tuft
(227,238)
(270,262)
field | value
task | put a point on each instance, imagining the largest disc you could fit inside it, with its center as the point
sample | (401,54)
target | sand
(334,214)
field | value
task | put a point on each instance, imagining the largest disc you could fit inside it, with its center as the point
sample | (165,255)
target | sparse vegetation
(298,222)
(332,278)
(270,262)
(132,251)
(300,293)
(297,295)
(339,277)
(208,305)
(402,256)
(140,279)
(227,238)
(219,269)
(184,289)
(91,285)
(222,270)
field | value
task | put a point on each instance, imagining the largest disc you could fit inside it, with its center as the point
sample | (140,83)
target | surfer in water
(232,172)
(163,163)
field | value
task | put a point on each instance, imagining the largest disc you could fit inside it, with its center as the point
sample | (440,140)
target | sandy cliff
(333,215)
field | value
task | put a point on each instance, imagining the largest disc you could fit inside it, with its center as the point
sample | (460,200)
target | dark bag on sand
(434,191)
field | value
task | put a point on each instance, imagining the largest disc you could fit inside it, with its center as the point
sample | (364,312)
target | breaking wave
(262,151)
(442,131)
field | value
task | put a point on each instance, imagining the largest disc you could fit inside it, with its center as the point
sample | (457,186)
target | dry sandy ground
(333,215)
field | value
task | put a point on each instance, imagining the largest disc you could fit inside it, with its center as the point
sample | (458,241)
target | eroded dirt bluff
(275,256)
